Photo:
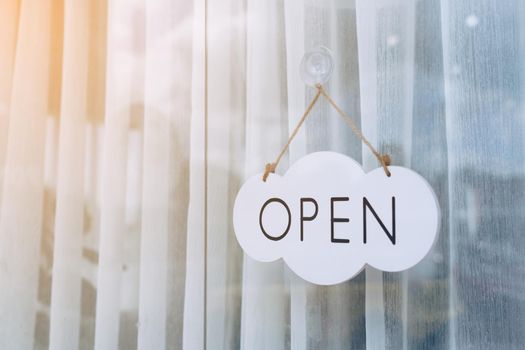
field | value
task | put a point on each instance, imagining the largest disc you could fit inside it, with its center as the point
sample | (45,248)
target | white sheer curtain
(127,127)
(21,210)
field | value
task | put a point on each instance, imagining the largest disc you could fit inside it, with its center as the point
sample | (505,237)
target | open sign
(326,218)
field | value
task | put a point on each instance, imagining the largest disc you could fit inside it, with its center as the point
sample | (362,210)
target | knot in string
(269,168)
(385,162)
(383,159)
(386,159)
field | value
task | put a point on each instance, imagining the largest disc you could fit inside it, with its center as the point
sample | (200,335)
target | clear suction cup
(317,66)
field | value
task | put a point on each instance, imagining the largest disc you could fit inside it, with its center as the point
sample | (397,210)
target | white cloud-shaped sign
(326,218)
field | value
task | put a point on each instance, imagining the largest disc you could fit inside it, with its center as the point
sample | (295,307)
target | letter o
(289,219)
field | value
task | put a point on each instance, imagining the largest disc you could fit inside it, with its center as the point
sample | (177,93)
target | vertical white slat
(155,186)
(448,71)
(409,39)
(194,319)
(334,84)
(120,66)
(218,151)
(51,153)
(129,303)
(180,95)
(93,165)
(164,187)
(8,34)
(429,158)
(294,28)
(69,220)
(21,207)
(366,39)
(294,31)
(225,125)
(264,297)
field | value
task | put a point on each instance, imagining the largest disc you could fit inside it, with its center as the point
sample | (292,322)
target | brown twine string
(384,159)
(270,167)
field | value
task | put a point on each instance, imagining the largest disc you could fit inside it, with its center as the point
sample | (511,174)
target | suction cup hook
(317,66)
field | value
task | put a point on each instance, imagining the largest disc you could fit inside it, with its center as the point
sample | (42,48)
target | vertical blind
(128,126)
